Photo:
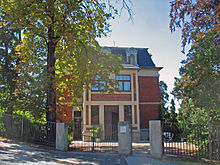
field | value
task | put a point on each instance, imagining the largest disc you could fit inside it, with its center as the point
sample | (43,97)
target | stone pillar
(155,138)
(124,138)
(62,136)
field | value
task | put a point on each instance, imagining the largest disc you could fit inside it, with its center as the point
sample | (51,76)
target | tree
(173,114)
(200,80)
(65,28)
(195,18)
(163,109)
(9,39)
(32,77)
(199,21)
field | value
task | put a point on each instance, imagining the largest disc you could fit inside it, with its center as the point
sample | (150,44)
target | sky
(149,29)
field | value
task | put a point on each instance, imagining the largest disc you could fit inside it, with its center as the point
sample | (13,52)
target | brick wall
(148,112)
(148,89)
(149,93)
(111,97)
(64,113)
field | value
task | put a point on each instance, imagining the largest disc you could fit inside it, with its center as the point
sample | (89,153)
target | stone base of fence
(124,138)
(61,136)
(156,138)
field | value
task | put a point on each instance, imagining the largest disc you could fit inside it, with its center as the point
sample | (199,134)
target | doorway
(77,133)
(111,122)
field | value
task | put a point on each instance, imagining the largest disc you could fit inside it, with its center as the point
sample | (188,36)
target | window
(99,85)
(124,83)
(94,114)
(128,113)
(132,59)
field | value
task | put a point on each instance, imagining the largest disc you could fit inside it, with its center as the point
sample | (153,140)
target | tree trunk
(51,45)
(210,138)
(9,111)
(51,88)
(51,91)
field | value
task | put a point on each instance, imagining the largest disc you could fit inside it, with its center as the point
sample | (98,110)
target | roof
(143,57)
(130,66)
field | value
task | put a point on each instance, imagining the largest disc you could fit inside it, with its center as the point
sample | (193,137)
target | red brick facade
(148,112)
(111,97)
(149,93)
(149,89)
(64,113)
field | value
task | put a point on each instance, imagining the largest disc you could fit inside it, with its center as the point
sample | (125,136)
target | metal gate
(24,129)
(140,141)
(101,138)
(190,140)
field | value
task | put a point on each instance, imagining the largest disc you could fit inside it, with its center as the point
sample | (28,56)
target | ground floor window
(94,114)
(128,113)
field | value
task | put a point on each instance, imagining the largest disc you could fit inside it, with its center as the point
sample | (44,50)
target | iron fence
(93,137)
(189,140)
(19,127)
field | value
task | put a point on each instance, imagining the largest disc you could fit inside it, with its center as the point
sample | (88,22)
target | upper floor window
(99,85)
(124,83)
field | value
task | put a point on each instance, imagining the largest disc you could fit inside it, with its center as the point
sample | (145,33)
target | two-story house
(136,100)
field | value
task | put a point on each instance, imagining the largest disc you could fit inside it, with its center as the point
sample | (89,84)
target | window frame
(132,59)
(123,83)
(98,87)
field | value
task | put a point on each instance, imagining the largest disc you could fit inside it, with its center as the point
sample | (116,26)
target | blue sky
(150,29)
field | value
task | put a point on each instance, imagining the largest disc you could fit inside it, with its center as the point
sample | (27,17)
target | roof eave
(156,68)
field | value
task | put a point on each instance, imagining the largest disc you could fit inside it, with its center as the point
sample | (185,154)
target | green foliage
(78,70)
(173,114)
(29,116)
(98,131)
(199,82)
(32,77)
(163,109)
(166,113)
(195,18)
(199,85)
(71,126)
(9,39)
(62,35)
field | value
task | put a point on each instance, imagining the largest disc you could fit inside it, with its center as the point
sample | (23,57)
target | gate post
(61,136)
(124,138)
(156,138)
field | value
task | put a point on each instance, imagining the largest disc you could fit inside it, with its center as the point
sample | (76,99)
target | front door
(111,122)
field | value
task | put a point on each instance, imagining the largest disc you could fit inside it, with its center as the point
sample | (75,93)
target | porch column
(101,114)
(121,113)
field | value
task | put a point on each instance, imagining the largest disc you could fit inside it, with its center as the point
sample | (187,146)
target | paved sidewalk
(12,153)
(144,160)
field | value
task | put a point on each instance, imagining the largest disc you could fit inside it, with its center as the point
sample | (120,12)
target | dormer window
(132,56)
(132,59)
